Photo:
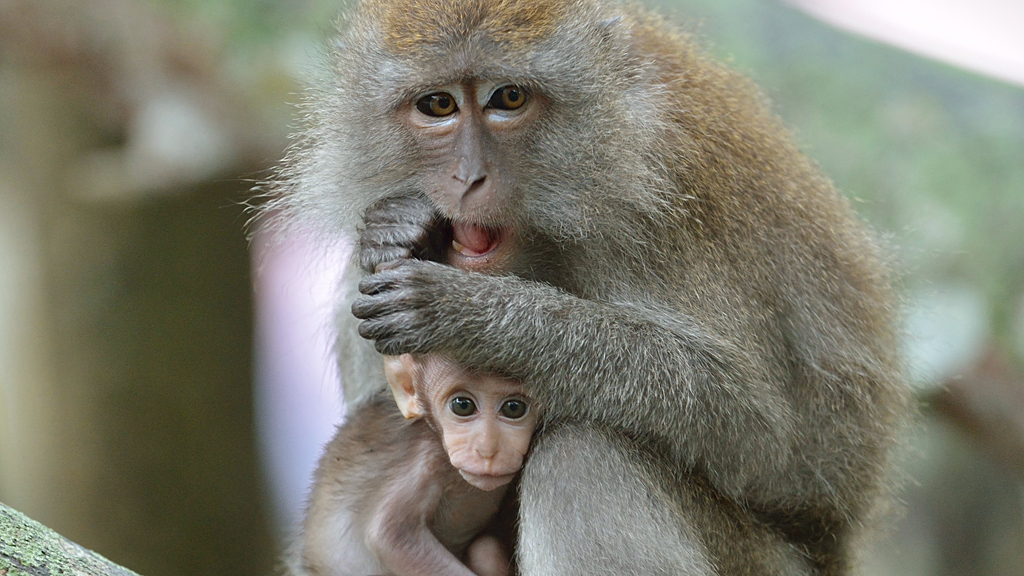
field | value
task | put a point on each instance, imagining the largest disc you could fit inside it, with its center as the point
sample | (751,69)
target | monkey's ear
(399,371)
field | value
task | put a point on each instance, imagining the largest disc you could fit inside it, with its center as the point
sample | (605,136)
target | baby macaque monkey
(417,490)
(485,421)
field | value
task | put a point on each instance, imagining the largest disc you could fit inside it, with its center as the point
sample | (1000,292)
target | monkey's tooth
(458,247)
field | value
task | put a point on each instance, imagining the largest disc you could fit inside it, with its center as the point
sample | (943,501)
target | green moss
(27,548)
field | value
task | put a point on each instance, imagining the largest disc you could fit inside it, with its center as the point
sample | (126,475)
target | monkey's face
(516,124)
(472,135)
(486,424)
(467,131)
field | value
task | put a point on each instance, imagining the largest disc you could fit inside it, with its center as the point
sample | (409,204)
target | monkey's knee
(591,506)
(486,556)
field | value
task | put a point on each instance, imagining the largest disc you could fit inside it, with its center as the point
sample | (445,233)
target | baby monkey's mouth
(475,240)
(487,482)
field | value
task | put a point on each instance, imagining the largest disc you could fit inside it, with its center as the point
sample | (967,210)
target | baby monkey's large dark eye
(462,406)
(438,104)
(513,409)
(508,98)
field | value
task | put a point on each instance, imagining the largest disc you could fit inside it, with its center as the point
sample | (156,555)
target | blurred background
(166,385)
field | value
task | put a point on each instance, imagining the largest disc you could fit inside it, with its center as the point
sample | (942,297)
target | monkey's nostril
(473,184)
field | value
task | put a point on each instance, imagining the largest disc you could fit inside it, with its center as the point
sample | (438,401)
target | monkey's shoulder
(376,445)
(377,430)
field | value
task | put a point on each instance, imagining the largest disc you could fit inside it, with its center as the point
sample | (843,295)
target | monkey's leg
(486,556)
(591,507)
(591,504)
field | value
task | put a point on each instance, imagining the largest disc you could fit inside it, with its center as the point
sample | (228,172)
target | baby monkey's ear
(399,371)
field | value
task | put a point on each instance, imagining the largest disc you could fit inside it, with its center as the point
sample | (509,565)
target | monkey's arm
(613,363)
(399,532)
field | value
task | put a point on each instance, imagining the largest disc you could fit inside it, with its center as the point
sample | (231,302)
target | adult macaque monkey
(706,321)
(417,498)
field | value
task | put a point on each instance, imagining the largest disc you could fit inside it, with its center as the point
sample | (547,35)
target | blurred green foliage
(930,153)
(254,22)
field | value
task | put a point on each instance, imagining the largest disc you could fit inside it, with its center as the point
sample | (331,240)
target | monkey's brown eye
(513,409)
(462,406)
(508,98)
(439,104)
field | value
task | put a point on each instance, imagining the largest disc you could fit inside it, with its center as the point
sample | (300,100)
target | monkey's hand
(408,305)
(400,228)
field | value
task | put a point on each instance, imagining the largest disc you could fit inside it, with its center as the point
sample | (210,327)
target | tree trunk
(27,548)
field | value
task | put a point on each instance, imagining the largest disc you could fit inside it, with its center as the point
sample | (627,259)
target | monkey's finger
(387,327)
(403,234)
(369,260)
(401,209)
(378,305)
(384,280)
(371,307)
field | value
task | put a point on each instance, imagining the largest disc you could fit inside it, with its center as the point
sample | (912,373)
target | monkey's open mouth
(473,240)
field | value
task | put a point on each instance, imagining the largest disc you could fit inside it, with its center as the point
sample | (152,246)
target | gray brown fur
(709,325)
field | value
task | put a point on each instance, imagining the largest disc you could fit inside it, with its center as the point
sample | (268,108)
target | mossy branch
(27,548)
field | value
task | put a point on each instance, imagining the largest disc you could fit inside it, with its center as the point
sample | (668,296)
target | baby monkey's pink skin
(485,421)
(391,497)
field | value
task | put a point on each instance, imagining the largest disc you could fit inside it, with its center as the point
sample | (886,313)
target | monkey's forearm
(416,551)
(407,547)
(563,347)
(399,533)
(732,421)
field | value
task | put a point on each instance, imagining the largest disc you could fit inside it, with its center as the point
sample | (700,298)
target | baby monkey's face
(486,423)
